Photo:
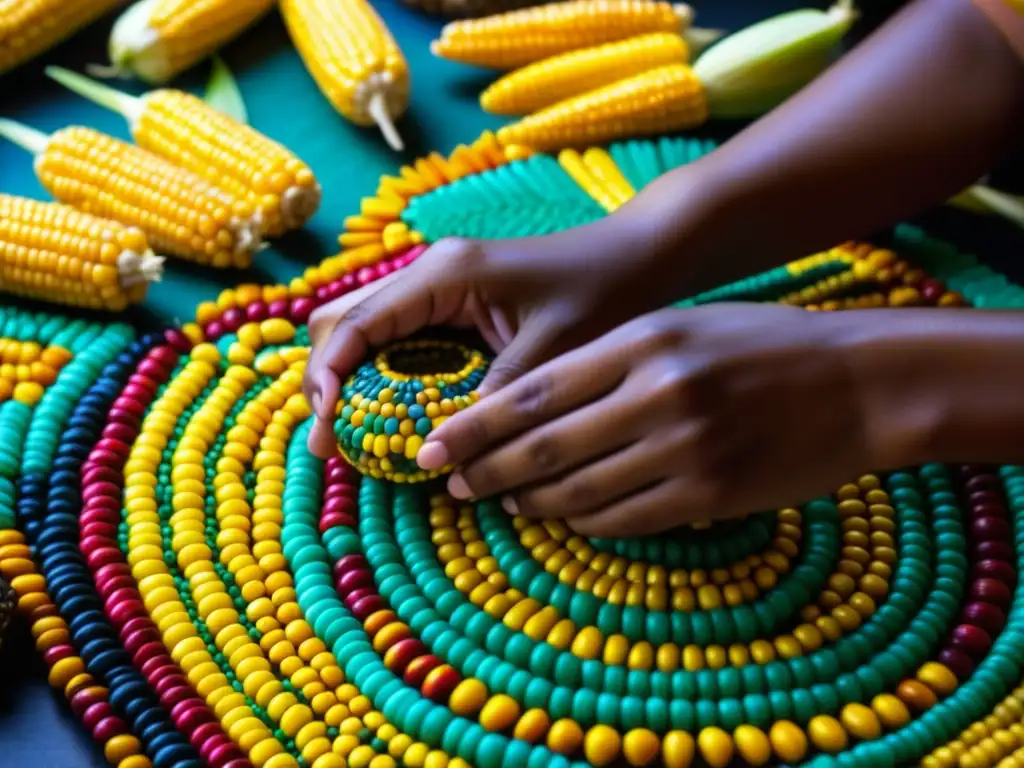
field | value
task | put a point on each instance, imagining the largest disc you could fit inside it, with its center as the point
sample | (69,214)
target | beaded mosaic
(206,592)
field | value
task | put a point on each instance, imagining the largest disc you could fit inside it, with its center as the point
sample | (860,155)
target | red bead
(367,605)
(112,570)
(104,457)
(356,595)
(56,653)
(414,253)
(125,610)
(349,282)
(278,308)
(102,556)
(996,550)
(108,729)
(982,482)
(92,543)
(958,662)
(100,489)
(154,369)
(365,276)
(1000,570)
(85,698)
(92,716)
(333,520)
(354,579)
(300,309)
(256,312)
(205,737)
(99,528)
(997,528)
(977,498)
(440,682)
(190,713)
(136,640)
(985,615)
(991,591)
(164,355)
(233,318)
(971,639)
(173,697)
(339,505)
(931,290)
(214,330)
(236,763)
(401,654)
(218,750)
(141,624)
(159,671)
(384,269)
(323,293)
(348,563)
(178,340)
(418,669)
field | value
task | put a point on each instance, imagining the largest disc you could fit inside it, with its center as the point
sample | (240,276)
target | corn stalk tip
(32,141)
(378,110)
(128,106)
(684,13)
(844,9)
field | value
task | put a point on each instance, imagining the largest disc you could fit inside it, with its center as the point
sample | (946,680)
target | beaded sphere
(392,403)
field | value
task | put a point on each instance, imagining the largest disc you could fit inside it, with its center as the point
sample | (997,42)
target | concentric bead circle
(206,592)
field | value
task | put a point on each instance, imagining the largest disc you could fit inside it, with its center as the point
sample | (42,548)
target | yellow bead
(827,734)
(715,746)
(532,726)
(678,749)
(468,697)
(602,745)
(860,721)
(891,711)
(938,677)
(752,745)
(121,747)
(499,713)
(565,736)
(789,741)
(588,643)
(640,746)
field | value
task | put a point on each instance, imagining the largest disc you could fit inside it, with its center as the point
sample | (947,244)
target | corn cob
(772,61)
(660,100)
(354,60)
(549,81)
(54,253)
(517,38)
(156,39)
(30,27)
(234,157)
(180,213)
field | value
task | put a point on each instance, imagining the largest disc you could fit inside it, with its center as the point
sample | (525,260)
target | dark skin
(625,418)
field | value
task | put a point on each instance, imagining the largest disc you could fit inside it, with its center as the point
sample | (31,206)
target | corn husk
(982,199)
(756,69)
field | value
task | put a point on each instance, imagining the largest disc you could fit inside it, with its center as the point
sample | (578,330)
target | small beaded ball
(391,403)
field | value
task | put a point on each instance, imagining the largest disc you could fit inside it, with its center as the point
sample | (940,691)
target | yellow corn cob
(353,58)
(549,81)
(231,156)
(516,38)
(156,39)
(30,27)
(54,253)
(180,213)
(661,100)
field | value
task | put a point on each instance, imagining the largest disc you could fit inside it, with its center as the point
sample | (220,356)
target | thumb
(537,341)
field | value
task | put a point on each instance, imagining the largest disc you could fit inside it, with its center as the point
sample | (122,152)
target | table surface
(36,727)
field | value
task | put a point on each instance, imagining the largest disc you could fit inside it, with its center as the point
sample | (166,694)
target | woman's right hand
(529,298)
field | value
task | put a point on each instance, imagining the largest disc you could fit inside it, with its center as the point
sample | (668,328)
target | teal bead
(492,748)
(757,710)
(706,713)
(568,670)
(560,703)
(638,683)
(584,705)
(682,715)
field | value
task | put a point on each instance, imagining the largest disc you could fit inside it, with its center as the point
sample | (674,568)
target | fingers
(524,352)
(554,448)
(594,486)
(653,510)
(540,396)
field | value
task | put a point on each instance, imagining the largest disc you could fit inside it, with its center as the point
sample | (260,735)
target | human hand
(679,416)
(529,298)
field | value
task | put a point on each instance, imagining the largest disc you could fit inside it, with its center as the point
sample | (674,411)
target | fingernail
(509,505)
(432,456)
(458,487)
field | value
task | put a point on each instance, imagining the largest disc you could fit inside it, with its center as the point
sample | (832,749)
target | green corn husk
(983,199)
(756,69)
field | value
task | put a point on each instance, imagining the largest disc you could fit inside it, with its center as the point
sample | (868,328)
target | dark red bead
(141,624)
(971,639)
(347,563)
(153,369)
(300,309)
(278,308)
(178,340)
(84,699)
(236,763)
(419,668)
(108,729)
(415,252)
(978,498)
(339,505)
(996,550)
(399,656)
(156,670)
(333,520)
(190,713)
(991,591)
(107,504)
(997,528)
(111,570)
(150,650)
(174,696)
(354,579)
(123,594)
(102,556)
(367,605)
(99,528)
(985,615)
(215,746)
(104,457)
(1000,570)
(356,595)
(233,318)
(205,733)
(959,663)
(349,282)
(90,544)
(931,290)
(213,330)
(138,639)
(95,713)
(100,489)
(256,312)
(438,687)
(164,355)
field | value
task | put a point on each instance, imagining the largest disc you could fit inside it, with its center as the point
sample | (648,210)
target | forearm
(918,111)
(939,385)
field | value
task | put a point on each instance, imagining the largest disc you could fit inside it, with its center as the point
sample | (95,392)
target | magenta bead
(54,654)
(278,308)
(112,571)
(971,639)
(356,595)
(178,340)
(236,763)
(354,580)
(102,556)
(95,713)
(173,697)
(233,318)
(985,615)
(214,330)
(347,563)
(84,699)
(108,729)
(368,605)
(256,312)
(958,662)
(138,639)
(991,591)
(127,610)
(365,276)
(300,309)
(384,269)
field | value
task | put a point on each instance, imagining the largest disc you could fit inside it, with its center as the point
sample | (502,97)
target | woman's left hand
(678,416)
